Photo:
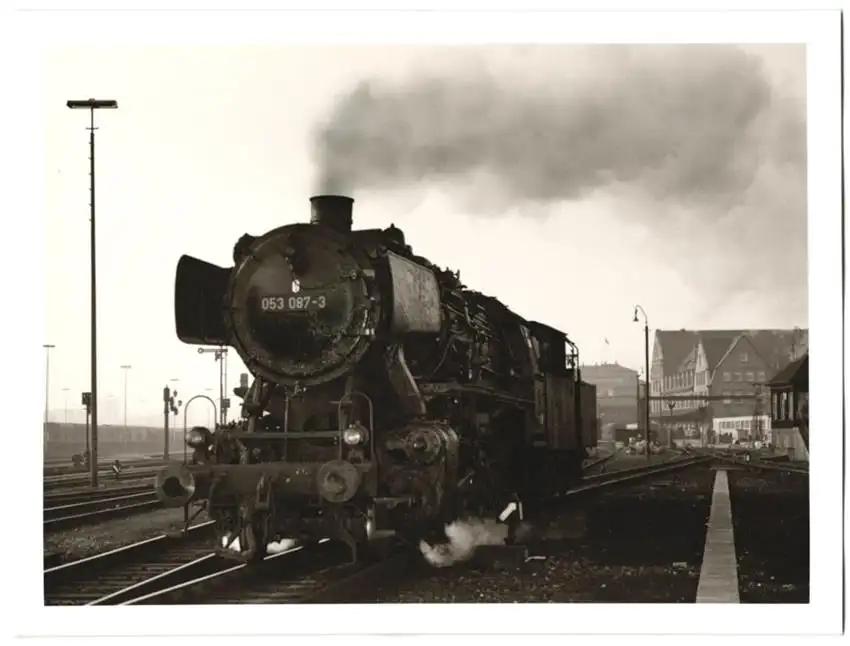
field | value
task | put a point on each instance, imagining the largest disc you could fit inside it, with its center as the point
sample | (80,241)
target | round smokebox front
(300,306)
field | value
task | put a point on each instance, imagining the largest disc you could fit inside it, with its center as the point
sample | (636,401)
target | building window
(751,376)
(727,376)
(737,376)
(762,377)
(744,357)
(726,395)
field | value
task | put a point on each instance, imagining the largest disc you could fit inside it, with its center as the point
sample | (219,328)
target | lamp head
(635,319)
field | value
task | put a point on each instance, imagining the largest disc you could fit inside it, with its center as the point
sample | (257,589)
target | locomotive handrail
(185,420)
(185,451)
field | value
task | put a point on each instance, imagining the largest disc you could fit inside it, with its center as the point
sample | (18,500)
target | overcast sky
(568,181)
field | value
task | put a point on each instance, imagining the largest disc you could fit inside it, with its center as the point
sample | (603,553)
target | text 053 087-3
(292,303)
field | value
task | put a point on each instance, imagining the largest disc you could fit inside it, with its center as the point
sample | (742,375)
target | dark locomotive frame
(387,398)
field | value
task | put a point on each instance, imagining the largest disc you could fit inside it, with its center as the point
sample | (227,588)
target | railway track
(52,483)
(89,495)
(101,507)
(315,573)
(750,460)
(64,469)
(591,463)
(183,570)
(764,465)
(128,572)
(600,480)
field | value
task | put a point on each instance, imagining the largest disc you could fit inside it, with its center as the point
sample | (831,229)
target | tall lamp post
(126,369)
(47,347)
(671,405)
(65,393)
(638,308)
(91,105)
(220,355)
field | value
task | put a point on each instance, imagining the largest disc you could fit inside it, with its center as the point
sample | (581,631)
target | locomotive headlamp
(354,435)
(198,437)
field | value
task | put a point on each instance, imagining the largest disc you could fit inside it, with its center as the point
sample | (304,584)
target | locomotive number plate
(293,303)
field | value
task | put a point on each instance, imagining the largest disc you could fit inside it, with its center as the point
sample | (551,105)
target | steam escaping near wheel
(275,547)
(464,537)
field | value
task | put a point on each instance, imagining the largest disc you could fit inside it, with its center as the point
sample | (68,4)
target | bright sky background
(211,143)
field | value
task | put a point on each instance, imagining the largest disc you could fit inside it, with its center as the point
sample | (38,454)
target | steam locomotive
(387,399)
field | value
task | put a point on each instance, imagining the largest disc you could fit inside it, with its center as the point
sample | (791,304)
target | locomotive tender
(387,398)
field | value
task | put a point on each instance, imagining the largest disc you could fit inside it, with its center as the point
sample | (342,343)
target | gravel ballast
(79,542)
(633,543)
(770,515)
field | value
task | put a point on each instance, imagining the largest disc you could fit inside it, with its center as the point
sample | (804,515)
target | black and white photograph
(358,311)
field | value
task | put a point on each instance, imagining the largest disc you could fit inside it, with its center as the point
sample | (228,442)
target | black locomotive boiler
(387,398)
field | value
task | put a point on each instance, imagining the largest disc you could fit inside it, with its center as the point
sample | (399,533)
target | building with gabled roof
(735,363)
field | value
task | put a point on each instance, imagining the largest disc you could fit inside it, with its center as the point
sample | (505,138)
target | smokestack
(332,211)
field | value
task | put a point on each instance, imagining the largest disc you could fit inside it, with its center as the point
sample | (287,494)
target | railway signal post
(220,355)
(166,410)
(87,405)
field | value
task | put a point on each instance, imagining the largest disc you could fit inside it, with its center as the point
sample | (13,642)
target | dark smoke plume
(692,126)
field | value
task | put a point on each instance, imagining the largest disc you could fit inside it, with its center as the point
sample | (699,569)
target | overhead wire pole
(646,368)
(91,105)
(65,393)
(47,347)
(126,369)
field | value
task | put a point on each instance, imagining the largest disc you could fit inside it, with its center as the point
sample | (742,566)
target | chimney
(332,211)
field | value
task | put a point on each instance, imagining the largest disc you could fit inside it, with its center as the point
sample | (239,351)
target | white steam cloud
(464,537)
(274,547)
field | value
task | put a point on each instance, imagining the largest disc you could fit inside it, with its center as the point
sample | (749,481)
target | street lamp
(65,391)
(638,308)
(126,369)
(220,355)
(47,347)
(671,405)
(91,105)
